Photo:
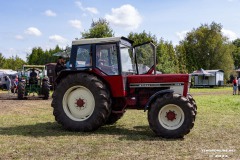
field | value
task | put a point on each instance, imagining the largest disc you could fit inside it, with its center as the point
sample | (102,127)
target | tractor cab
(112,56)
(112,59)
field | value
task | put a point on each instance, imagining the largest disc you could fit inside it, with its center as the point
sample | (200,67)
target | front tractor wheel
(21,90)
(45,90)
(171,116)
(81,102)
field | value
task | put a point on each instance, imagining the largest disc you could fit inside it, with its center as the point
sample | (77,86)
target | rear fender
(66,72)
(155,95)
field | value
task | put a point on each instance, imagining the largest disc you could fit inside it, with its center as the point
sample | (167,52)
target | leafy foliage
(206,47)
(2,60)
(40,57)
(203,47)
(236,53)
(140,38)
(13,63)
(99,29)
(166,57)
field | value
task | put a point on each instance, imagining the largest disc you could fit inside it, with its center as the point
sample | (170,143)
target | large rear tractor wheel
(21,90)
(45,89)
(171,116)
(81,102)
(193,102)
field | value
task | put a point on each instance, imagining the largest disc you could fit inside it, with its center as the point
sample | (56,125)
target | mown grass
(29,131)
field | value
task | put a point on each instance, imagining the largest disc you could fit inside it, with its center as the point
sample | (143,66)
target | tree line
(203,47)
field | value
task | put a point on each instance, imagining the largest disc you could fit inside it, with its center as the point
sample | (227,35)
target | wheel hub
(171,115)
(80,102)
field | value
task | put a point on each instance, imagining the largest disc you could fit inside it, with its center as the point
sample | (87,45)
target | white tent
(6,72)
(201,72)
(208,78)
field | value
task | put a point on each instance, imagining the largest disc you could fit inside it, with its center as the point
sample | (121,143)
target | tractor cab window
(106,59)
(127,60)
(83,58)
(145,57)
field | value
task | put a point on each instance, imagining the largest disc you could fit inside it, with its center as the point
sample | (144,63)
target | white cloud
(230,34)
(58,39)
(89,9)
(76,24)
(181,35)
(19,37)
(92,10)
(79,4)
(50,13)
(126,16)
(33,31)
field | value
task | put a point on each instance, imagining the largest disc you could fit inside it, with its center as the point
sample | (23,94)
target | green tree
(166,57)
(35,58)
(99,29)
(207,48)
(13,63)
(2,60)
(140,38)
(143,56)
(167,61)
(181,56)
(40,57)
(236,53)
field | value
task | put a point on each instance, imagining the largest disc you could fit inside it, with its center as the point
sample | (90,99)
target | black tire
(113,118)
(171,116)
(12,90)
(45,89)
(193,102)
(21,90)
(81,113)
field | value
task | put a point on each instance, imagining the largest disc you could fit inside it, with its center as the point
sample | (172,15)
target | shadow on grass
(53,129)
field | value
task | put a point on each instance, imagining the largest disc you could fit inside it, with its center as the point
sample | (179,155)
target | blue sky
(25,24)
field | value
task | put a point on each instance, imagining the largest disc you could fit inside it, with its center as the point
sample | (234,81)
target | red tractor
(106,76)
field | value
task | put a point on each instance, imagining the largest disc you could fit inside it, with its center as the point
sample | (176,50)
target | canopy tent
(7,72)
(209,78)
(202,72)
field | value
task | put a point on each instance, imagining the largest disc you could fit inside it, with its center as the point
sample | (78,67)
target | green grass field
(28,131)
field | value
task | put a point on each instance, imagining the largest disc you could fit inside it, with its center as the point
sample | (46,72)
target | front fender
(159,93)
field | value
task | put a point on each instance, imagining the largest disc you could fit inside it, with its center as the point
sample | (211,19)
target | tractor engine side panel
(177,82)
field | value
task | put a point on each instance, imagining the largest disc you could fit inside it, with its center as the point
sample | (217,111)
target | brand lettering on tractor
(139,85)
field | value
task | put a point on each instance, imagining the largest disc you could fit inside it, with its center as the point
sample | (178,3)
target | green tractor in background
(33,79)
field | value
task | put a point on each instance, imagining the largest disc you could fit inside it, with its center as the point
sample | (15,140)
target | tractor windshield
(127,59)
(145,56)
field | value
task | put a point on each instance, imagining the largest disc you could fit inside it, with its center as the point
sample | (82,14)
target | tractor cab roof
(101,40)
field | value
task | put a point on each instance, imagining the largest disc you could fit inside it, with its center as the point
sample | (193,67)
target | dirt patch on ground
(9,102)
(213,92)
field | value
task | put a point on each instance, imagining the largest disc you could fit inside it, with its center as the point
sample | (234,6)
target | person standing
(9,84)
(238,85)
(235,85)
(60,65)
(15,83)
